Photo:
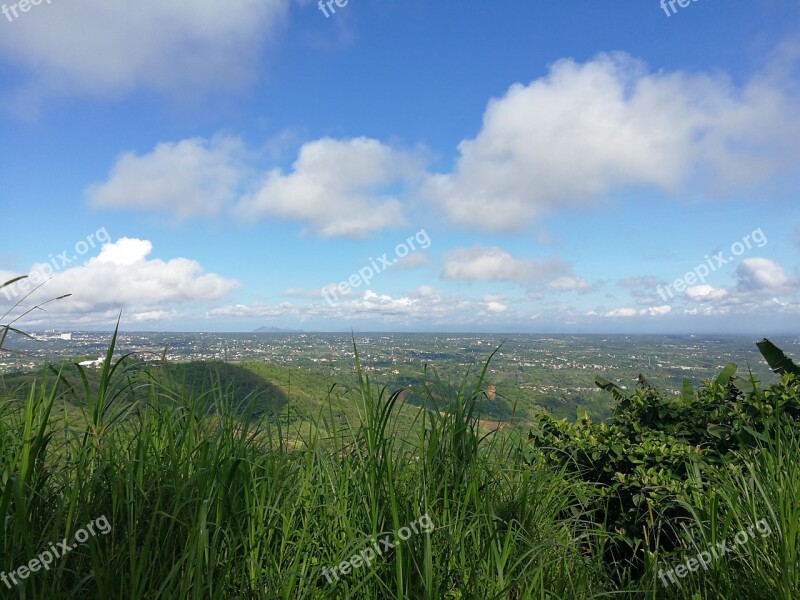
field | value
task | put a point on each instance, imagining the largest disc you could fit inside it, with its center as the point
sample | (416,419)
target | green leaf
(719,431)
(743,385)
(725,375)
(612,388)
(777,360)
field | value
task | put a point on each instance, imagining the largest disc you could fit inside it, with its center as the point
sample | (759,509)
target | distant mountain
(276,330)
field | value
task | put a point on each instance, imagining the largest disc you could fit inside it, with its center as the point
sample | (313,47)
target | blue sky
(544,167)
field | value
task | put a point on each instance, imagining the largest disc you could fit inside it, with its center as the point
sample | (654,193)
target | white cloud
(761,274)
(495,264)
(366,305)
(585,130)
(112,46)
(759,280)
(122,276)
(151,316)
(571,138)
(346,188)
(496,307)
(338,188)
(705,293)
(188,178)
(653,311)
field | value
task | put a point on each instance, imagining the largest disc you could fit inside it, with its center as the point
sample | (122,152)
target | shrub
(640,463)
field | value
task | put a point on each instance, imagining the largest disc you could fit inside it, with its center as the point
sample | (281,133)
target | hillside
(219,480)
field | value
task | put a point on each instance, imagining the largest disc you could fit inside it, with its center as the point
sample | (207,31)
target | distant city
(557,372)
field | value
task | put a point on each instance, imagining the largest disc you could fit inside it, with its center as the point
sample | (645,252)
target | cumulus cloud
(585,130)
(760,285)
(123,276)
(705,293)
(151,316)
(572,138)
(112,46)
(338,188)
(761,274)
(496,307)
(496,264)
(344,188)
(193,177)
(653,311)
(762,291)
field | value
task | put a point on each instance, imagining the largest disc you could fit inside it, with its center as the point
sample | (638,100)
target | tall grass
(208,504)
(762,487)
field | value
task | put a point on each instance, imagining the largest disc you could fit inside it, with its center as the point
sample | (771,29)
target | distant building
(65,336)
(92,363)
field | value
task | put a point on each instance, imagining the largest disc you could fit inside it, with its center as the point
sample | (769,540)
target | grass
(206,503)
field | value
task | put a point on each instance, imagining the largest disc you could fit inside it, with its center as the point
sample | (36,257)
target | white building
(92,363)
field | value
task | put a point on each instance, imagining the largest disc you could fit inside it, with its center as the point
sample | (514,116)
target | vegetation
(17,313)
(211,497)
(646,466)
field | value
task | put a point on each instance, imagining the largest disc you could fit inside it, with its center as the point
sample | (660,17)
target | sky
(401,165)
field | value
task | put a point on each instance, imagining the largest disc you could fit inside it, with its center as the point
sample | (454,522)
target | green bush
(641,465)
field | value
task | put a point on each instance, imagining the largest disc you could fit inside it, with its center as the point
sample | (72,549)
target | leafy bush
(639,465)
